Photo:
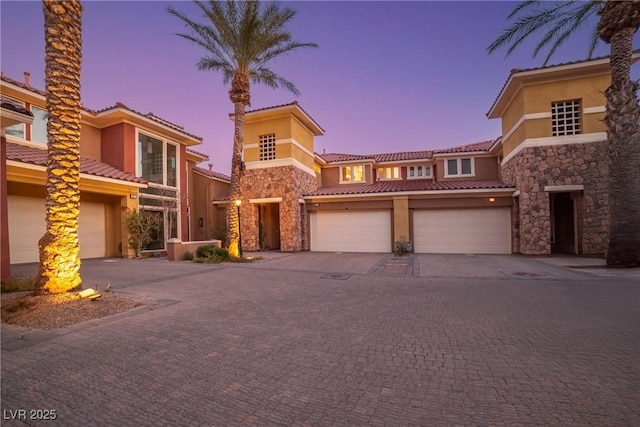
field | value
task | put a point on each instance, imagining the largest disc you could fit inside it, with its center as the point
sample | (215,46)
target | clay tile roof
(213,174)
(22,85)
(283,105)
(150,116)
(37,156)
(409,185)
(402,156)
(468,148)
(197,153)
(340,157)
(31,88)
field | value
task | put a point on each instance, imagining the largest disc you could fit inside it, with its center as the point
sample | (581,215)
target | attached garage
(478,231)
(27,226)
(351,231)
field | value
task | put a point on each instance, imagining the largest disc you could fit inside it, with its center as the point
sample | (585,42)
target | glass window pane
(157,235)
(427,171)
(358,173)
(452,167)
(346,173)
(39,126)
(151,164)
(466,166)
(172,159)
(412,171)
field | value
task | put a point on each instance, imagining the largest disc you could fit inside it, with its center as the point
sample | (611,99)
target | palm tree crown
(555,20)
(241,40)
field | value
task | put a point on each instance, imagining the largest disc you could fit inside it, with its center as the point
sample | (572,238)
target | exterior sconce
(492,199)
(200,222)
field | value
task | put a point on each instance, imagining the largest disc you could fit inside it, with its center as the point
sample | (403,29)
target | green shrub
(187,256)
(213,253)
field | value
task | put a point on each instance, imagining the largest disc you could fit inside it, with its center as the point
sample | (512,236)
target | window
(389,173)
(18,130)
(565,118)
(418,172)
(39,126)
(459,167)
(352,173)
(157,160)
(267,147)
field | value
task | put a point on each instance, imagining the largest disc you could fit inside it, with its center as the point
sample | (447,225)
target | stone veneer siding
(287,182)
(577,164)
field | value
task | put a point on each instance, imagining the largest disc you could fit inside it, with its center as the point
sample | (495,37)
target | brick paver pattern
(255,345)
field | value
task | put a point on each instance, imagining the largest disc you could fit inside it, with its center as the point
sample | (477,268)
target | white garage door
(351,231)
(475,231)
(27,226)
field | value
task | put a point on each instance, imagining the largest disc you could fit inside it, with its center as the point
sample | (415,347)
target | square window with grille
(267,147)
(565,118)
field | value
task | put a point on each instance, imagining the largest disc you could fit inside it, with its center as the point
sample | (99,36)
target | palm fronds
(555,20)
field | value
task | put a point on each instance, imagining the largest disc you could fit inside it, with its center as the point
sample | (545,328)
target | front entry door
(269,226)
(563,236)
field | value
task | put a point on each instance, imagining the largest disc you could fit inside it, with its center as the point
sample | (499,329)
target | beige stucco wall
(90,142)
(400,218)
(535,98)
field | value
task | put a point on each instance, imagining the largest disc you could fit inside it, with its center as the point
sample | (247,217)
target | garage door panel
(352,231)
(462,231)
(27,225)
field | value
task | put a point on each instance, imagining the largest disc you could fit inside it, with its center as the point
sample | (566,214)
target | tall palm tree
(242,40)
(59,247)
(618,22)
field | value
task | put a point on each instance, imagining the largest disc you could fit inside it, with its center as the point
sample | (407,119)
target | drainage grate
(336,276)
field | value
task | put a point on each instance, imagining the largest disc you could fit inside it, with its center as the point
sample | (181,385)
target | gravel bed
(59,310)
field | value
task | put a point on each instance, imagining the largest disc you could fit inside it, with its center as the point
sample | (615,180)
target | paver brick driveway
(329,339)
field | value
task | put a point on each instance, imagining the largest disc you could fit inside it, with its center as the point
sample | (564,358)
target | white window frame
(267,146)
(352,172)
(394,173)
(423,172)
(165,143)
(459,173)
(566,117)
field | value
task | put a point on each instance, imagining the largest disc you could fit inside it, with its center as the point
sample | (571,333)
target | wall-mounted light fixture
(133,196)
(200,222)
(492,199)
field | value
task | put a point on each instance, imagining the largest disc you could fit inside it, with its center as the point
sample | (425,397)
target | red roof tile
(283,105)
(37,156)
(409,185)
(149,116)
(197,153)
(407,155)
(213,174)
(468,148)
(403,156)
(339,157)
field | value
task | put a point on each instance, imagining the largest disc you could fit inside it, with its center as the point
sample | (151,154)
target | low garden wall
(176,247)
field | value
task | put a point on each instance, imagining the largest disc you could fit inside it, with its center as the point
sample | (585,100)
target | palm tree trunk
(59,247)
(623,133)
(239,95)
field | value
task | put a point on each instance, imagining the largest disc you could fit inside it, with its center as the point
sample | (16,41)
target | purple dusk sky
(387,77)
